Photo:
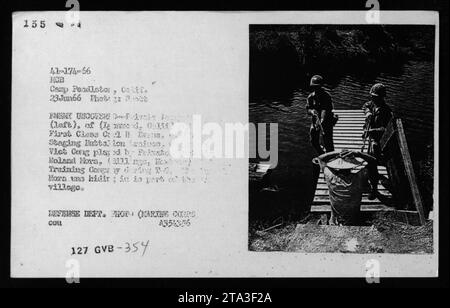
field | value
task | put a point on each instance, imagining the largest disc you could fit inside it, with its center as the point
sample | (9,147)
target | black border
(229,284)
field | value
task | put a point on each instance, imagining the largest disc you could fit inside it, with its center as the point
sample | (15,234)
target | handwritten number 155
(34,23)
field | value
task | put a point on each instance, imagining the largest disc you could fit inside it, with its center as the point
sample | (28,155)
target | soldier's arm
(327,156)
(379,129)
(367,109)
(323,115)
(309,107)
(368,158)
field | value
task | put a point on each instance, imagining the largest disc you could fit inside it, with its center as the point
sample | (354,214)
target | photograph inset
(355,111)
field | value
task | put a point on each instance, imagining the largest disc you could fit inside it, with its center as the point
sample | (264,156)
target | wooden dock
(347,135)
(257,171)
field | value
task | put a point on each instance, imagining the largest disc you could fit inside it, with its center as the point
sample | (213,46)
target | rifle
(318,126)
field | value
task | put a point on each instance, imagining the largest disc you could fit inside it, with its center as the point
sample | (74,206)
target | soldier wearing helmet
(378,114)
(320,107)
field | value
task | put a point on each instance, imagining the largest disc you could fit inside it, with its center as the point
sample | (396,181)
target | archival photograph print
(354,105)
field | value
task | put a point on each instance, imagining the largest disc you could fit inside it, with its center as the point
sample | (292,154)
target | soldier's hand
(346,153)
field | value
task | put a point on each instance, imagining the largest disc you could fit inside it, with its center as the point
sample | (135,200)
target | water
(410,95)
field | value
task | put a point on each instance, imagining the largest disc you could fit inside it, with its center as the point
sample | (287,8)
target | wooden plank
(349,136)
(350,140)
(358,131)
(339,146)
(410,170)
(364,208)
(351,114)
(346,129)
(351,117)
(347,110)
(344,140)
(262,168)
(348,147)
(351,120)
(343,135)
(361,114)
(321,180)
(387,135)
(324,185)
(353,144)
(341,141)
(257,171)
(320,193)
(325,197)
(356,125)
(350,124)
(326,200)
(382,171)
(355,129)
(340,138)
(358,113)
(348,133)
(354,115)
(344,117)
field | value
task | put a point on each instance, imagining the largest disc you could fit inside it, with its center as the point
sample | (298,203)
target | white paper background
(200,62)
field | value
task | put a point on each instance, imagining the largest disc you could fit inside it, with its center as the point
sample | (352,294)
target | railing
(400,169)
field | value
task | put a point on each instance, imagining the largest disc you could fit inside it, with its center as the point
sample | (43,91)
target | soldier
(320,107)
(378,114)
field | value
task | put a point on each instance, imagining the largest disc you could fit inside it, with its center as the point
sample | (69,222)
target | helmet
(316,80)
(378,89)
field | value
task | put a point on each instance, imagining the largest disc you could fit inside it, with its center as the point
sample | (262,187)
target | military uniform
(381,115)
(321,102)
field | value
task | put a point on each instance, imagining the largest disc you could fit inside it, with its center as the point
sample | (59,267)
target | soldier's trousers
(375,151)
(314,136)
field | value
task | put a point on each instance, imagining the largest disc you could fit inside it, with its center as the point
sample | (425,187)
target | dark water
(410,95)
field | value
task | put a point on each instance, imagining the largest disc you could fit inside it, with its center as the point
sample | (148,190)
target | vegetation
(284,55)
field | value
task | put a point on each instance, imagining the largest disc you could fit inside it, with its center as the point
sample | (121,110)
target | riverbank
(380,234)
(283,57)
